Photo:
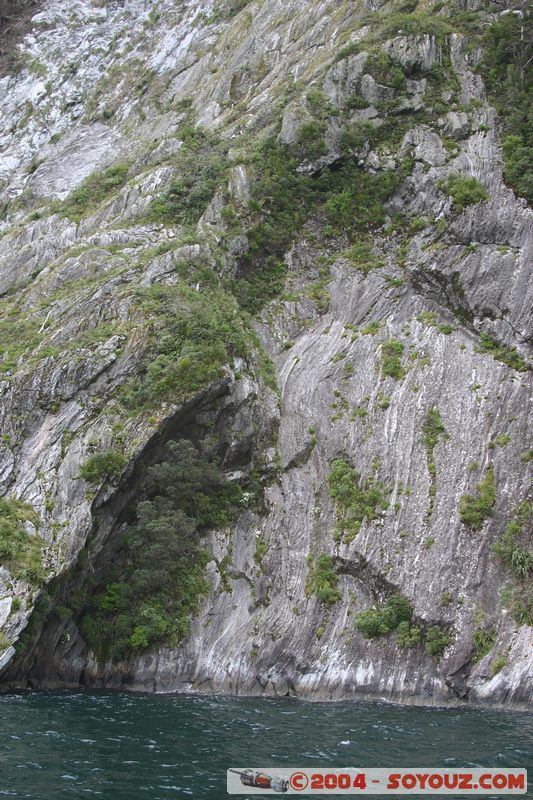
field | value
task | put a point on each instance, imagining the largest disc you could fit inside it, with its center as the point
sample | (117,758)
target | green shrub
(356,499)
(357,135)
(361,255)
(261,549)
(153,585)
(391,359)
(501,440)
(507,70)
(507,355)
(102,465)
(348,50)
(322,580)
(384,70)
(4,642)
(437,640)
(383,620)
(514,549)
(358,205)
(484,640)
(311,140)
(201,167)
(194,334)
(407,635)
(433,430)
(464,191)
(20,552)
(475,509)
(93,191)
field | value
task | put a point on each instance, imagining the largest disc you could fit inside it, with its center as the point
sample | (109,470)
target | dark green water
(122,747)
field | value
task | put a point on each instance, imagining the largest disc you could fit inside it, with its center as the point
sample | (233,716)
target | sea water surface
(122,747)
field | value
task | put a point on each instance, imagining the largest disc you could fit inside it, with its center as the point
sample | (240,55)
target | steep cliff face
(278,230)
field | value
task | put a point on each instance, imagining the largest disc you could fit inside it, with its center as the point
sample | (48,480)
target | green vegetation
(193,335)
(102,465)
(358,206)
(356,499)
(17,336)
(201,165)
(484,640)
(515,551)
(501,440)
(433,431)
(464,191)
(416,24)
(475,509)
(498,663)
(380,621)
(507,69)
(227,9)
(407,635)
(282,199)
(437,640)
(4,642)
(154,583)
(391,359)
(361,255)
(322,580)
(93,191)
(384,70)
(507,355)
(261,549)
(20,552)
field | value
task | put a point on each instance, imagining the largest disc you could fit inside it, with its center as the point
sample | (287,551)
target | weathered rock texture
(78,105)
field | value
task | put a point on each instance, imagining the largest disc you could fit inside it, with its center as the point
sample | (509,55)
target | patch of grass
(416,24)
(356,499)
(322,580)
(101,466)
(501,440)
(476,508)
(515,551)
(483,640)
(349,50)
(380,621)
(507,355)
(362,257)
(464,191)
(391,359)
(193,335)
(93,191)
(433,431)
(261,549)
(437,640)
(384,70)
(18,336)
(20,552)
(201,166)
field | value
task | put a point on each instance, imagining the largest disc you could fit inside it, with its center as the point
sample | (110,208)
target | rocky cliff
(278,231)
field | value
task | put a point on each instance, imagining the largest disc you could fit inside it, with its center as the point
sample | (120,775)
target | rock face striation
(382,401)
